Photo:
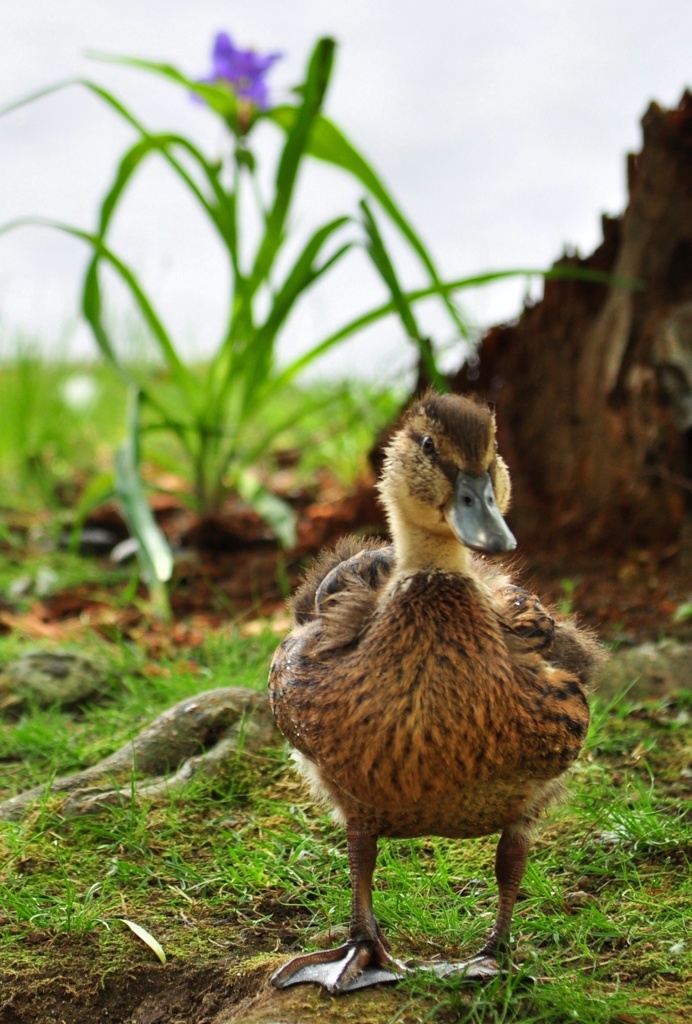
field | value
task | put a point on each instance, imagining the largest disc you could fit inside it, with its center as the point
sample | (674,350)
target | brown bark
(593,384)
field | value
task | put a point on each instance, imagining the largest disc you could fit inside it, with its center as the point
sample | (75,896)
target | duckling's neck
(418,549)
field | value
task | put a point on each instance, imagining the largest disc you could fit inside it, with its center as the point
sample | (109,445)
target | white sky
(501,128)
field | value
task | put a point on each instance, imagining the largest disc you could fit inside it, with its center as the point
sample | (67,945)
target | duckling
(422,692)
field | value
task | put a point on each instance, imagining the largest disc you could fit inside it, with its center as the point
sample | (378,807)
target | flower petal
(243,70)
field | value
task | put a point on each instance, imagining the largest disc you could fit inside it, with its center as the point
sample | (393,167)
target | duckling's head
(443,477)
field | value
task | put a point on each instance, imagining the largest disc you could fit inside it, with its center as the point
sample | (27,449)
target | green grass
(60,422)
(246,867)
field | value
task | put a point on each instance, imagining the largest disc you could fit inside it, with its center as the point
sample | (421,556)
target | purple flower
(243,70)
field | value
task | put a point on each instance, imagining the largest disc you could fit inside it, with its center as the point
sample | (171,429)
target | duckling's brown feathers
(452,737)
(302,602)
(423,692)
(342,590)
(343,586)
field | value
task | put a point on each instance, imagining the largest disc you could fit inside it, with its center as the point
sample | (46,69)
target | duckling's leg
(363,960)
(510,864)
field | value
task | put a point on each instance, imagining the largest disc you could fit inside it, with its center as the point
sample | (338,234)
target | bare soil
(186,994)
(175,994)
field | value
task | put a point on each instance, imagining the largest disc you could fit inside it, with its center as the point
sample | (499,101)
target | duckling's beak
(475,518)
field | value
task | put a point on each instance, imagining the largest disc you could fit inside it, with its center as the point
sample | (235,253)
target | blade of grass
(221,213)
(277,512)
(92,309)
(304,273)
(92,303)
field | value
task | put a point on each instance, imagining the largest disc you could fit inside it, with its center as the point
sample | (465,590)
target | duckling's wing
(369,558)
(369,569)
(294,674)
(332,610)
(529,625)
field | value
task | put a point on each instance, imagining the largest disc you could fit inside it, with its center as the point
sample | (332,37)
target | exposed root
(197,736)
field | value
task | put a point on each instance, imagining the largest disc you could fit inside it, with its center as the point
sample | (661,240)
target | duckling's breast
(427,725)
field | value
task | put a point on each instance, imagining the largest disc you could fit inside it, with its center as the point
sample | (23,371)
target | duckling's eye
(428,445)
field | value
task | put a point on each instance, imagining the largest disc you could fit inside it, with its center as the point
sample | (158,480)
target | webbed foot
(357,964)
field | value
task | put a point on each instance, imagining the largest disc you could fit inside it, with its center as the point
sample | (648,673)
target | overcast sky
(501,128)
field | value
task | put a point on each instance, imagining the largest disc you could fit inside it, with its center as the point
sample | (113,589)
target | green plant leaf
(68,83)
(258,359)
(475,281)
(154,553)
(297,137)
(274,510)
(218,96)
(329,144)
(224,217)
(92,303)
(380,257)
(220,210)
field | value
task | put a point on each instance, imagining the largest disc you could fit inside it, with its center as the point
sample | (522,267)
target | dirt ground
(147,995)
(185,994)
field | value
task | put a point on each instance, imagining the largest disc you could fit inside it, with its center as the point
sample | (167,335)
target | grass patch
(61,421)
(239,870)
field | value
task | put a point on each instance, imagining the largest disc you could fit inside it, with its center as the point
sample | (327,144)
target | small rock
(648,671)
(52,677)
(578,898)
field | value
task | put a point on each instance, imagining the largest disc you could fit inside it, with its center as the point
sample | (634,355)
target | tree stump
(593,384)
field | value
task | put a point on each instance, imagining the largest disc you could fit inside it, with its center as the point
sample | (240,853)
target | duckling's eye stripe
(449,469)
